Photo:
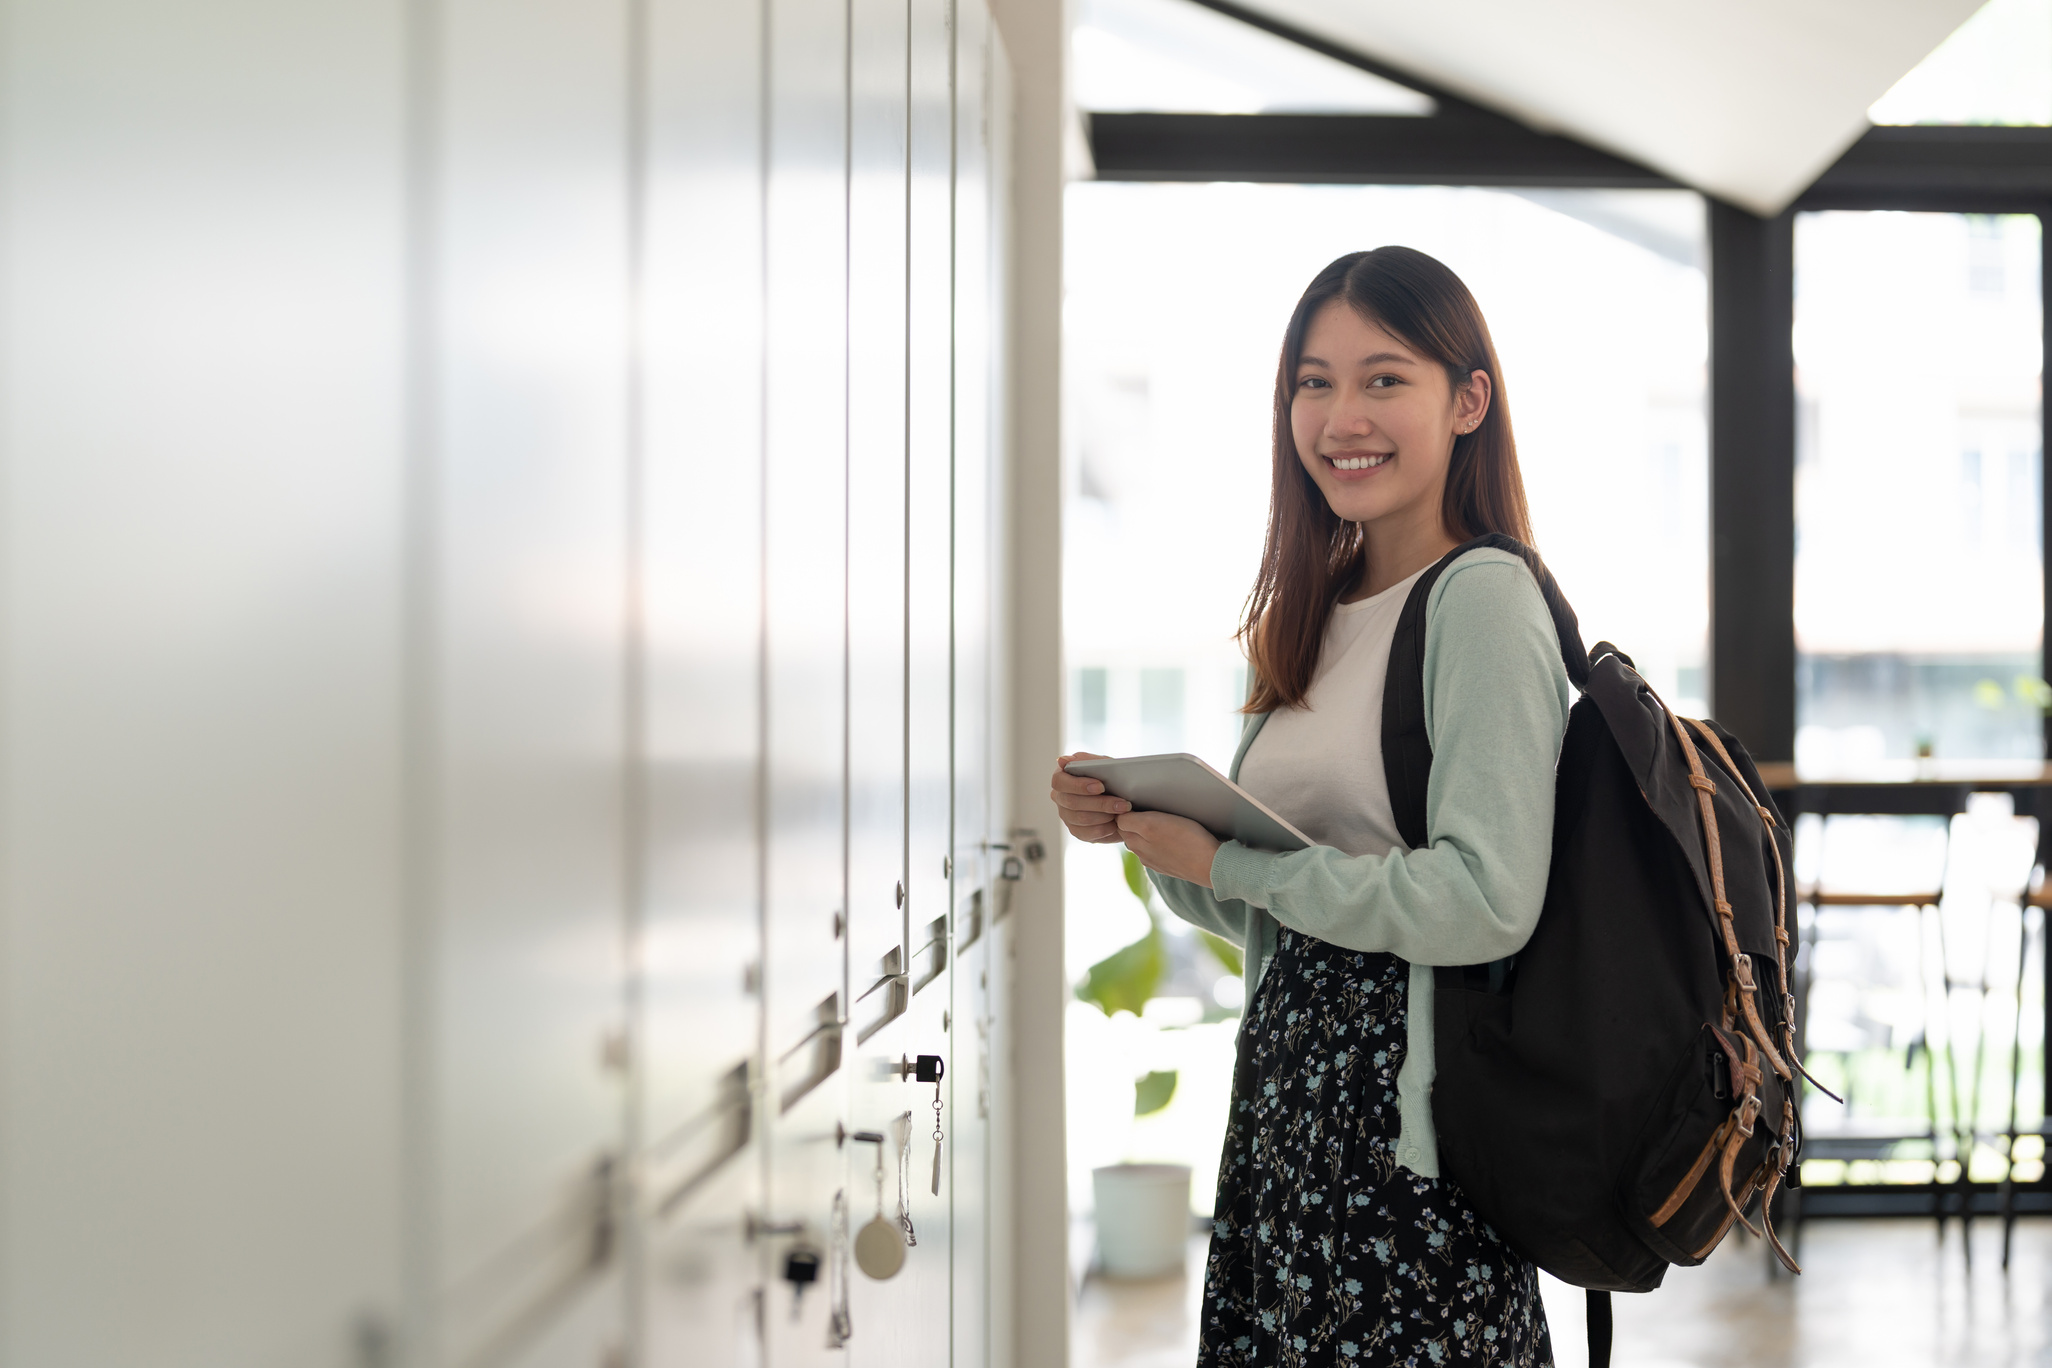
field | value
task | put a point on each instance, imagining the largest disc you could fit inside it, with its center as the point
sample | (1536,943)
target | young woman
(1336,1241)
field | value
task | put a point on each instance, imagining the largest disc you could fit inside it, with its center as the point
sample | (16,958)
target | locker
(977,860)
(887,1321)
(526,1094)
(876,515)
(925,1281)
(982,1289)
(969,1152)
(540,572)
(200,1061)
(805,517)
(971,504)
(931,477)
(701,549)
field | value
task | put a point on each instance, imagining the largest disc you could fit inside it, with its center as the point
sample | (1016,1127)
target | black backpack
(1614,1096)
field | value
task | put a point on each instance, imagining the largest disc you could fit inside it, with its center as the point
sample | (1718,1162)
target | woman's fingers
(1091,826)
(1175,846)
(1085,808)
(1075,793)
(1076,802)
(1137,834)
(1065,782)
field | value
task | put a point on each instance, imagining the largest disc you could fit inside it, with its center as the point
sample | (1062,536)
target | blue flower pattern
(1325,1251)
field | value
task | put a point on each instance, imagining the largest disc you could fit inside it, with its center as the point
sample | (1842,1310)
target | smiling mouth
(1368,462)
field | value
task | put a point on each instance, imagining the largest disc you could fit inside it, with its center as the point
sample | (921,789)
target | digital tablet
(1187,787)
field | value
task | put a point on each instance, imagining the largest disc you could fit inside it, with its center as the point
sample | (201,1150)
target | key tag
(931,1069)
(879,1248)
(840,1325)
(901,1130)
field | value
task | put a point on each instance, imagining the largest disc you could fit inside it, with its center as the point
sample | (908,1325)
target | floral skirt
(1323,1250)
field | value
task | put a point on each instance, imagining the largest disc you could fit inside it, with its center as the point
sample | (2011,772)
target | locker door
(525,1128)
(204,464)
(929,843)
(976,863)
(886,1318)
(876,518)
(701,558)
(931,490)
(805,486)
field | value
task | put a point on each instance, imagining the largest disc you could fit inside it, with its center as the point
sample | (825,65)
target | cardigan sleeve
(1199,906)
(1496,707)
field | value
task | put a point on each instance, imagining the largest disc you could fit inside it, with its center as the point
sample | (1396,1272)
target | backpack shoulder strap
(1406,750)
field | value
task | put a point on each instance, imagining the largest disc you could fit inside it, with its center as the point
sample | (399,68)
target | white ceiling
(1747,99)
(1170,56)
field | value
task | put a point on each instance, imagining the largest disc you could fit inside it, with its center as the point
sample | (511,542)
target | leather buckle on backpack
(1748,1112)
(1742,968)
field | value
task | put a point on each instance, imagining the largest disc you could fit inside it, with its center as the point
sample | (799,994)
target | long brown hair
(1312,555)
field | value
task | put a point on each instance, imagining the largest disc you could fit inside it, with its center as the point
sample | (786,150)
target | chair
(1854,1141)
(2032,797)
(2038,899)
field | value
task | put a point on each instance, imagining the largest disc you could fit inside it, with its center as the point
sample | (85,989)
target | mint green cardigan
(1496,708)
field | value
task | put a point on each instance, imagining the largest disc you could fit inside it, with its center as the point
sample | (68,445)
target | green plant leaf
(2034,691)
(1989,695)
(1127,977)
(1152,1091)
(1225,952)
(1136,879)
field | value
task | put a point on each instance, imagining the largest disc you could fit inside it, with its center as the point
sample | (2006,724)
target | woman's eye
(1382,382)
(1314,382)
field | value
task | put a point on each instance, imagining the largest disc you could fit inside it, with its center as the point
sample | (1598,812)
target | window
(1918,562)
(1996,68)
(1177,299)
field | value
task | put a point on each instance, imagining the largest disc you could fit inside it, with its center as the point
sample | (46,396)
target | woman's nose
(1349,422)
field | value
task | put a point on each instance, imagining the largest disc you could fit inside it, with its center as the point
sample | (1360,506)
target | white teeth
(1360,462)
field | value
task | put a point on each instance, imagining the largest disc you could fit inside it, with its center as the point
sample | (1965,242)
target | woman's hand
(1171,845)
(1087,811)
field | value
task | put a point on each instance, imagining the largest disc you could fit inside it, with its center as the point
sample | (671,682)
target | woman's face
(1374,421)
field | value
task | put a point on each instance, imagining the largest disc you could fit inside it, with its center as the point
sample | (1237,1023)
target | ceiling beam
(1360,149)
(1953,169)
(1949,169)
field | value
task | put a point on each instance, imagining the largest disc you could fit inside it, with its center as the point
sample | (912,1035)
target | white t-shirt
(1321,765)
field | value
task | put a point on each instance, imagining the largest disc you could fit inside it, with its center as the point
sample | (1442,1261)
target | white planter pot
(1143,1218)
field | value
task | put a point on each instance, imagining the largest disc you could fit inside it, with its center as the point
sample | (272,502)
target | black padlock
(930,1068)
(801,1268)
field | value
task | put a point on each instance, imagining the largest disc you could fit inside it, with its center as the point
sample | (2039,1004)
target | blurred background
(1918,576)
